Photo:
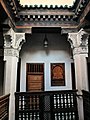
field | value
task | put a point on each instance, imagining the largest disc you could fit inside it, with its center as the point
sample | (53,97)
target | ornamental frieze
(11,52)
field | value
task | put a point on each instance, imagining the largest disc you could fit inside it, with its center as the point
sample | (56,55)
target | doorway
(35,77)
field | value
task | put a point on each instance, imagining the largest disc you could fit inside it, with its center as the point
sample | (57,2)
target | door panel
(35,82)
(35,77)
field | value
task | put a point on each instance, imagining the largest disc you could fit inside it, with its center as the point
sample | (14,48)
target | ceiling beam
(0,1)
(7,11)
(82,19)
(85,12)
(15,4)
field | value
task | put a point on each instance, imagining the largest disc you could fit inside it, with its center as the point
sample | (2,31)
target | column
(12,45)
(79,45)
(10,82)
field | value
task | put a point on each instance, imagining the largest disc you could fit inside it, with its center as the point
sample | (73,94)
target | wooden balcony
(4,107)
(51,105)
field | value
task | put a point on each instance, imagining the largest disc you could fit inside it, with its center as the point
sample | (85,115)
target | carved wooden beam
(82,19)
(7,11)
(15,4)
(85,12)
(46,12)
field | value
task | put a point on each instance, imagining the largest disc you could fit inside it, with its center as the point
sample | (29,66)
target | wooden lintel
(32,25)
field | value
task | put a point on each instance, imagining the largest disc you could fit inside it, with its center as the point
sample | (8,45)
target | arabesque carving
(79,42)
(13,42)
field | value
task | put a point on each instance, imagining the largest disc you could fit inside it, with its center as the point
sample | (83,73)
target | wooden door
(35,77)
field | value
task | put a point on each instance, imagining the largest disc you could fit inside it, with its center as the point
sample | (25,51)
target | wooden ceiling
(24,18)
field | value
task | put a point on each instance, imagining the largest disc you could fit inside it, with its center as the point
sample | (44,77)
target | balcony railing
(52,105)
(4,107)
(86,103)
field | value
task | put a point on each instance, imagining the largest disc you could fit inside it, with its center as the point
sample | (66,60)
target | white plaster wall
(58,52)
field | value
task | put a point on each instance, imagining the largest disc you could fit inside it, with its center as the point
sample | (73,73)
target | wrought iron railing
(54,105)
(86,104)
(4,107)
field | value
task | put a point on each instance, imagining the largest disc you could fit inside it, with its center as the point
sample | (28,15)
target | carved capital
(79,42)
(13,42)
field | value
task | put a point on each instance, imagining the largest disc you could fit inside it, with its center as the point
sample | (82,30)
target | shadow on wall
(55,42)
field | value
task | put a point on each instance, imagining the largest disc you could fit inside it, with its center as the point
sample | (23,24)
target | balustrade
(4,107)
(52,105)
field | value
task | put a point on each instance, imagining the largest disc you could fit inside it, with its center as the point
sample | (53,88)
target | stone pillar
(12,45)
(79,45)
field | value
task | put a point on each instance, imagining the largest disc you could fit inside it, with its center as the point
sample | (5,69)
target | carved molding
(79,42)
(11,52)
(80,50)
(20,40)
(7,41)
(72,37)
